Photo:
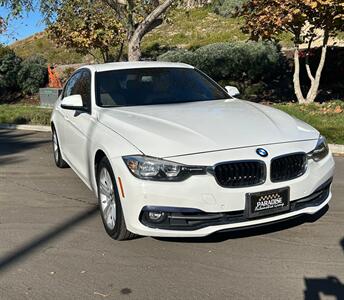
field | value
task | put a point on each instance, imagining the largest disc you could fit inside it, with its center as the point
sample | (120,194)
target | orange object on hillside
(54,80)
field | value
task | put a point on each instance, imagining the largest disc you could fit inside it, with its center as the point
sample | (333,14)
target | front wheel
(109,203)
(57,151)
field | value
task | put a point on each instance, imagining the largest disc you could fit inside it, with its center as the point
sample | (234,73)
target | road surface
(53,245)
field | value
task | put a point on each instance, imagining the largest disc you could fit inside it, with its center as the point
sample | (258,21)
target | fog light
(156,216)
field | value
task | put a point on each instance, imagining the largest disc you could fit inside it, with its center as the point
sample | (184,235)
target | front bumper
(192,219)
(203,194)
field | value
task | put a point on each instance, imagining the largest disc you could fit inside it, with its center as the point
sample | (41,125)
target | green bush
(152,51)
(9,67)
(35,60)
(32,75)
(228,8)
(233,61)
(249,91)
(180,55)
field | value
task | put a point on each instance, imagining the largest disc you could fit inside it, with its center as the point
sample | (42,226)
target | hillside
(194,28)
(40,44)
(182,29)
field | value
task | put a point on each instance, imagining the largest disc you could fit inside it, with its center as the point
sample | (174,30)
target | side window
(83,88)
(80,84)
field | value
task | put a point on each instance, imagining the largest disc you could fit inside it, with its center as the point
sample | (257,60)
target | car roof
(135,65)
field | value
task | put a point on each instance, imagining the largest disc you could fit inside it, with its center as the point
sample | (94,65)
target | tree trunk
(134,49)
(315,80)
(134,44)
(120,52)
(297,85)
(313,91)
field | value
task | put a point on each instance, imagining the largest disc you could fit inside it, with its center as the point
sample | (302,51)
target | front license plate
(268,202)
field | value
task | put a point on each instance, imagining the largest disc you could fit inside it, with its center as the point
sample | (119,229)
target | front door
(79,124)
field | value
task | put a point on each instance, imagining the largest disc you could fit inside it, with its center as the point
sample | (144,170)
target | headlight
(320,151)
(150,168)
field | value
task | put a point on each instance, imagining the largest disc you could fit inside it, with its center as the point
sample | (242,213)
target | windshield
(147,86)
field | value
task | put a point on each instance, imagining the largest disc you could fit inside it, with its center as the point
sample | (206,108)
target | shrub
(228,8)
(9,67)
(249,91)
(36,60)
(233,61)
(32,75)
(180,55)
(152,51)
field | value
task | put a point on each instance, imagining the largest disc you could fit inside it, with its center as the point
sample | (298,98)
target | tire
(109,203)
(57,151)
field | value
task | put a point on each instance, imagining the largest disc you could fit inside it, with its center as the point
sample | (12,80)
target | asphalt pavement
(53,245)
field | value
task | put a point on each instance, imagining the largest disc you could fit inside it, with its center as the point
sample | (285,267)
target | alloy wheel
(107,198)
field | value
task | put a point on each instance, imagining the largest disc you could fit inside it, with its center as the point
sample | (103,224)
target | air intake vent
(288,167)
(240,173)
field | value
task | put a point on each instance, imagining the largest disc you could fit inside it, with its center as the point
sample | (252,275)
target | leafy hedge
(32,75)
(9,68)
(16,75)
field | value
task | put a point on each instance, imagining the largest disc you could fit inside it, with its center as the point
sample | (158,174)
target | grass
(328,118)
(199,27)
(194,28)
(340,35)
(24,114)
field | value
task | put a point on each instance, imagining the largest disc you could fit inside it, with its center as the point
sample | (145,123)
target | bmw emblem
(262,152)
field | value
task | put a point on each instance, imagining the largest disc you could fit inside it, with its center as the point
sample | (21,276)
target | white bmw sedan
(170,153)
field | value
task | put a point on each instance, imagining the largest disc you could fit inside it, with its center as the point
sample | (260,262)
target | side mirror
(73,102)
(232,91)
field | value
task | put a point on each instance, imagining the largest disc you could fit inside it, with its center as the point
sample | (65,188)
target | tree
(138,18)
(87,27)
(306,20)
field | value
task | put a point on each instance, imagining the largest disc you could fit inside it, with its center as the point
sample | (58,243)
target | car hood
(178,129)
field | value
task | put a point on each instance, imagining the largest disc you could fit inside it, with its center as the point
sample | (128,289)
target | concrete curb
(26,127)
(335,149)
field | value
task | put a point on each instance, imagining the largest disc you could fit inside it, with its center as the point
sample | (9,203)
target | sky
(20,28)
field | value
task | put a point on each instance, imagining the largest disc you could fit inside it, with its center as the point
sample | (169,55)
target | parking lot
(53,245)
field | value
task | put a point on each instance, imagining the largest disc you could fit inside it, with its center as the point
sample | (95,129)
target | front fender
(111,144)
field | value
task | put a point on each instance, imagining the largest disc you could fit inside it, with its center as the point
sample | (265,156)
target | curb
(335,149)
(26,127)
